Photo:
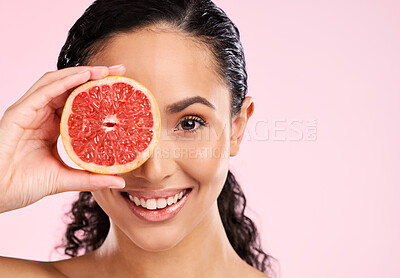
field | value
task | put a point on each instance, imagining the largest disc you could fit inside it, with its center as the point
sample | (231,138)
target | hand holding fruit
(30,167)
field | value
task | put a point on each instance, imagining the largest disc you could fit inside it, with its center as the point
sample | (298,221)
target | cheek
(206,158)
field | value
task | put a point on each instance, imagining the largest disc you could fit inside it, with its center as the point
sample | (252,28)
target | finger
(58,74)
(58,102)
(97,72)
(79,180)
(45,94)
(71,179)
(117,70)
(52,76)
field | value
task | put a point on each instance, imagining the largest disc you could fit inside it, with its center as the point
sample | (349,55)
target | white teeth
(136,200)
(151,204)
(161,203)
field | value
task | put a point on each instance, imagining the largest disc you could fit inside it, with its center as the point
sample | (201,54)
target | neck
(205,252)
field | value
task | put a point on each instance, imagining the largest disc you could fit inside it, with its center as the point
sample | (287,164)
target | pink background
(320,160)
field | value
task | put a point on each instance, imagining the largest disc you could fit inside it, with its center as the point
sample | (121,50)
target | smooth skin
(193,243)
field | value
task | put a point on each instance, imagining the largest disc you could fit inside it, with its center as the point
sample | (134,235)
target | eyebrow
(182,104)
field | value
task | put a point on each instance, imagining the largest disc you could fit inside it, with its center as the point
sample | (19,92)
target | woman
(180,50)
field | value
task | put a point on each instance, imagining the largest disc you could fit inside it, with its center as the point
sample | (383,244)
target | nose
(158,167)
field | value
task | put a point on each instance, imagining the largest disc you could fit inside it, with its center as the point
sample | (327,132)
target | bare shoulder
(245,270)
(77,267)
(15,267)
(255,273)
(259,274)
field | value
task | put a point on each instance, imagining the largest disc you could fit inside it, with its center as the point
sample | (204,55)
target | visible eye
(191,124)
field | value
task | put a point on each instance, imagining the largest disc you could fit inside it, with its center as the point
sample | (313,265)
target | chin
(156,240)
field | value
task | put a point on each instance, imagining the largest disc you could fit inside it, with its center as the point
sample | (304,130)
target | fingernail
(100,67)
(116,66)
(118,186)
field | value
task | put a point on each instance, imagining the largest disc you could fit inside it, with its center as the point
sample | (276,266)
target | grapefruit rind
(116,168)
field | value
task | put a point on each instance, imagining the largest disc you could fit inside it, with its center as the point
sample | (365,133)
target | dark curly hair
(199,19)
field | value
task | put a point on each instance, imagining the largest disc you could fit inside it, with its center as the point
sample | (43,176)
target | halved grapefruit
(110,125)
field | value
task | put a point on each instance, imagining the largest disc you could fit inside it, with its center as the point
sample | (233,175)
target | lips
(156,206)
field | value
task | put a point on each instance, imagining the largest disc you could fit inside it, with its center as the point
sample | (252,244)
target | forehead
(171,65)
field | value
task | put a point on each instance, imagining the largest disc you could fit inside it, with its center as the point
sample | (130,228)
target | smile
(159,203)
(151,208)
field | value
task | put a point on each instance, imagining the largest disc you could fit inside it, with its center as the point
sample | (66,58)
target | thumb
(80,180)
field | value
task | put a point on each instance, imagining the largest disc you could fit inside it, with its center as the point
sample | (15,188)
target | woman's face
(189,155)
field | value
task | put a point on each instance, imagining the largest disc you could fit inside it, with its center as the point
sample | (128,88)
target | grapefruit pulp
(110,125)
